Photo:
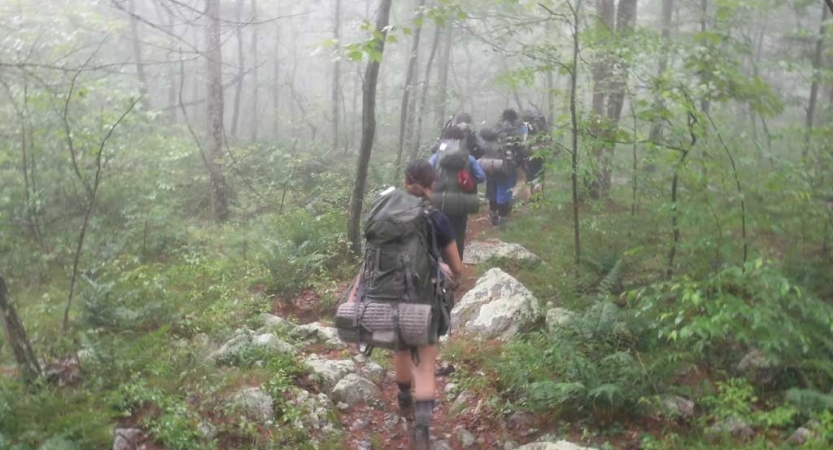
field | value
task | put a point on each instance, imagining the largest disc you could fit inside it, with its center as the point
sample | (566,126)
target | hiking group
(401,299)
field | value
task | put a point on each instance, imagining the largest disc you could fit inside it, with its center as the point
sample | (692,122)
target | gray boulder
(254,403)
(675,406)
(560,445)
(481,251)
(275,324)
(354,389)
(317,410)
(558,318)
(375,373)
(465,438)
(234,347)
(271,342)
(316,333)
(127,438)
(734,426)
(499,306)
(329,372)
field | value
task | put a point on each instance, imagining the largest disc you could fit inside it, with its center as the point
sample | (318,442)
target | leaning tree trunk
(423,96)
(213,157)
(625,21)
(814,86)
(445,62)
(705,76)
(137,53)
(16,337)
(371,77)
(667,15)
(241,67)
(410,75)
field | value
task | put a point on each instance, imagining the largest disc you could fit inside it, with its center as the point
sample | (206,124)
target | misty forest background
(171,168)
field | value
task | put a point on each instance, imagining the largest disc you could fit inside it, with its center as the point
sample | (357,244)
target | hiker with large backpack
(504,152)
(458,174)
(402,298)
(463,121)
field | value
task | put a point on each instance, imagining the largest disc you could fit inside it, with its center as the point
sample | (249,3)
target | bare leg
(424,374)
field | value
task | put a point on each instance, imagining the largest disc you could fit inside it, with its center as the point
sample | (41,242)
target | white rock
(207,430)
(234,347)
(316,410)
(127,438)
(499,306)
(271,342)
(354,389)
(255,403)
(560,445)
(318,334)
(273,323)
(375,373)
(465,438)
(676,406)
(557,318)
(482,251)
(329,372)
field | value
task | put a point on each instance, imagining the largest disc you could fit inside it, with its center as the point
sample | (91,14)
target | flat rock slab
(481,251)
(498,306)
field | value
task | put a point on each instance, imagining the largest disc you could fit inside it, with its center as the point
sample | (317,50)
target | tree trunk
(255,76)
(667,14)
(423,96)
(625,21)
(601,68)
(445,62)
(16,337)
(371,77)
(410,75)
(814,85)
(574,139)
(214,148)
(601,72)
(336,73)
(705,103)
(241,66)
(276,86)
(137,53)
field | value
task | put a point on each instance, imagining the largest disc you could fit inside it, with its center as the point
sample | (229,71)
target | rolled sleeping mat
(456,203)
(494,167)
(376,324)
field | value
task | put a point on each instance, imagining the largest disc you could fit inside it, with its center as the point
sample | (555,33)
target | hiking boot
(420,438)
(406,406)
(493,217)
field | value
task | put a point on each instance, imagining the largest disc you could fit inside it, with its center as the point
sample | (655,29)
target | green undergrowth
(635,340)
(141,328)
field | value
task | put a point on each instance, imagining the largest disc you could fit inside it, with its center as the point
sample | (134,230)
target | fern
(610,281)
(810,400)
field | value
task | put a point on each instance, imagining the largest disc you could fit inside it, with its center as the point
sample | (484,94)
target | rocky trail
(492,308)
(351,399)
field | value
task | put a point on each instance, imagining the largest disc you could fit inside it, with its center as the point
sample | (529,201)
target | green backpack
(398,249)
(397,296)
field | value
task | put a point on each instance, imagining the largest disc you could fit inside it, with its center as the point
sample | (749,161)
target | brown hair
(419,175)
(454,133)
